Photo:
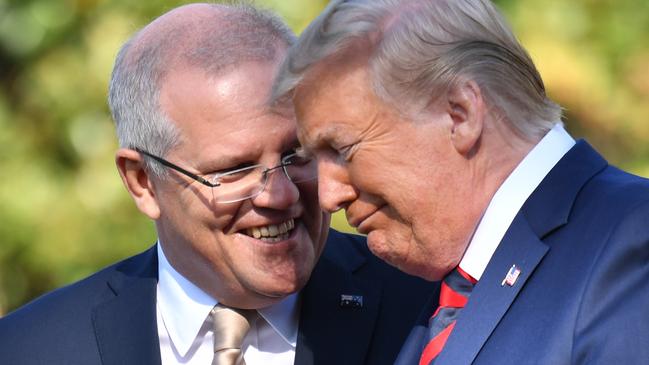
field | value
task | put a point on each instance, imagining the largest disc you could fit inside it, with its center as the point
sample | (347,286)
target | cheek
(383,185)
(308,191)
(315,219)
(309,199)
(367,174)
(199,214)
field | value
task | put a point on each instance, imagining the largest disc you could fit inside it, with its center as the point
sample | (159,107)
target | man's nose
(334,188)
(279,193)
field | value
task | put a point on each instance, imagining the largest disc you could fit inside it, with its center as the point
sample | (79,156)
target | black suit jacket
(581,241)
(110,317)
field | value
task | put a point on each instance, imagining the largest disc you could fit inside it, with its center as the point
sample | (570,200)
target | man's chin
(379,246)
(398,256)
(281,288)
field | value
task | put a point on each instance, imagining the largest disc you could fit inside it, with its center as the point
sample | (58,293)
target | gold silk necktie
(230,327)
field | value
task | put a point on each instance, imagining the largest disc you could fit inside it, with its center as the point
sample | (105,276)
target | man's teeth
(272,232)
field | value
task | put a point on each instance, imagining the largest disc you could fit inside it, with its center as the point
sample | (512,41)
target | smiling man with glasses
(241,272)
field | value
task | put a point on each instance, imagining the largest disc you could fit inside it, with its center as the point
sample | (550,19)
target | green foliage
(63,210)
(594,58)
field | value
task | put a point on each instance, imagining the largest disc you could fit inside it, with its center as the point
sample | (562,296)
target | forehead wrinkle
(224,157)
(238,148)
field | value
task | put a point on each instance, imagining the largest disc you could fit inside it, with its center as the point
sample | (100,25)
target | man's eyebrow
(221,162)
(321,139)
(331,129)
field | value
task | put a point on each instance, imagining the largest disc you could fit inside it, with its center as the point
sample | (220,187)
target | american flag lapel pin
(351,301)
(512,276)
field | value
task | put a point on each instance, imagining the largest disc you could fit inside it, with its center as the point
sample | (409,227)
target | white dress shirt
(186,338)
(511,196)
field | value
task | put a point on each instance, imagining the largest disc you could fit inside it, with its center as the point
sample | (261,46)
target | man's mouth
(272,232)
(362,224)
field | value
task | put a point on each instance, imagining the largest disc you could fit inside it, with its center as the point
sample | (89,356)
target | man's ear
(468,111)
(130,165)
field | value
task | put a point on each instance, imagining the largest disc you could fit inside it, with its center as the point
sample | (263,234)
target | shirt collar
(511,196)
(283,317)
(184,307)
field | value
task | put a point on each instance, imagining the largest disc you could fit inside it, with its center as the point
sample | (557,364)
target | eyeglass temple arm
(179,169)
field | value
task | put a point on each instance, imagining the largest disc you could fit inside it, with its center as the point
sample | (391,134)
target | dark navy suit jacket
(581,241)
(110,317)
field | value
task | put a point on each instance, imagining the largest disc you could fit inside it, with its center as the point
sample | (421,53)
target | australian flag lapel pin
(351,301)
(511,277)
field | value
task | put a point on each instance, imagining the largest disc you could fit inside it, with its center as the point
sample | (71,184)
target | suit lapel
(491,299)
(328,329)
(546,210)
(125,324)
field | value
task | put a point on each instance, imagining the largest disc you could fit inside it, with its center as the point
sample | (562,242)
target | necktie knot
(230,326)
(456,289)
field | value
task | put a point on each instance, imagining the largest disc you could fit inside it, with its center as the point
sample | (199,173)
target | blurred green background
(63,210)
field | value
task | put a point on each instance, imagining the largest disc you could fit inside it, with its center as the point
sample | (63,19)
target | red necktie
(454,293)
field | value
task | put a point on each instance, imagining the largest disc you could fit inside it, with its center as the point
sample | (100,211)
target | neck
(498,154)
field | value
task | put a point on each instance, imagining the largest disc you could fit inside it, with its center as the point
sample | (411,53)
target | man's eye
(243,174)
(235,170)
(300,152)
(347,152)
(296,157)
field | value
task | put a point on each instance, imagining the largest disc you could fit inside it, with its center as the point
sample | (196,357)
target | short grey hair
(419,49)
(220,39)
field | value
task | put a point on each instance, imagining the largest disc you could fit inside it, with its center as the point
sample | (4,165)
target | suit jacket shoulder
(61,327)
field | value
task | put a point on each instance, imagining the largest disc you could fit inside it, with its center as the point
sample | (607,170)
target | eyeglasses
(247,182)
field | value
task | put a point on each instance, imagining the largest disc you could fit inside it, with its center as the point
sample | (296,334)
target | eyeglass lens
(247,183)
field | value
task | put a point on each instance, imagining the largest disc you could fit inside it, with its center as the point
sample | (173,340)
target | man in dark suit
(432,129)
(241,269)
